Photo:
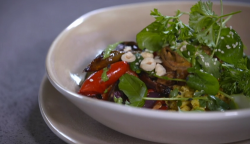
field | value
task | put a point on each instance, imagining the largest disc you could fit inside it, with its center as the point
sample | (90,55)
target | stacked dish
(87,36)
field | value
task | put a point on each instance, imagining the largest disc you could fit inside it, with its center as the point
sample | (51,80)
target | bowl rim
(142,112)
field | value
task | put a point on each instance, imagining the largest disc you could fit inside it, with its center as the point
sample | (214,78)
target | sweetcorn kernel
(188,94)
(172,105)
(186,108)
(184,88)
(195,103)
(184,103)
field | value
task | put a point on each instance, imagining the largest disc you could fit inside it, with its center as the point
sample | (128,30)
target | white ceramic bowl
(87,36)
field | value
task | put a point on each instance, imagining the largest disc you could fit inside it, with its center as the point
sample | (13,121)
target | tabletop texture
(27,29)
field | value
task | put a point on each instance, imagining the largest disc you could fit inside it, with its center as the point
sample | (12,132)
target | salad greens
(134,89)
(215,66)
(163,31)
(236,78)
(207,75)
(230,46)
(200,80)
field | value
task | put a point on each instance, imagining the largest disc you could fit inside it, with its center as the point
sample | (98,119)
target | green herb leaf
(203,8)
(216,104)
(106,90)
(203,81)
(203,103)
(179,103)
(109,49)
(229,81)
(189,51)
(134,89)
(186,32)
(208,36)
(203,20)
(230,46)
(177,31)
(174,93)
(189,54)
(199,93)
(235,79)
(208,64)
(150,37)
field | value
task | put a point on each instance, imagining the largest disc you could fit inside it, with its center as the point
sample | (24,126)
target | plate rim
(65,135)
(45,118)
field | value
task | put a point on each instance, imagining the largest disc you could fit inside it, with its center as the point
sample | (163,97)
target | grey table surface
(27,29)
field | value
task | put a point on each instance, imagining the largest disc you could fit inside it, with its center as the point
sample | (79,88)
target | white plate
(74,126)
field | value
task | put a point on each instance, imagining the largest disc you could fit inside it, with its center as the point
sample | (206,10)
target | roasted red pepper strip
(129,71)
(94,84)
(150,90)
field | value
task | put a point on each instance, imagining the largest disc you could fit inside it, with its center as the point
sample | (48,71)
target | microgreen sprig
(182,99)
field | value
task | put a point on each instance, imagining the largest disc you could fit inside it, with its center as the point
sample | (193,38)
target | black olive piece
(153,78)
(98,96)
(167,91)
(132,44)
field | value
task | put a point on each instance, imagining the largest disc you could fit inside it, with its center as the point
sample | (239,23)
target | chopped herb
(199,93)
(235,79)
(118,100)
(106,90)
(174,93)
(179,103)
(104,74)
(109,49)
